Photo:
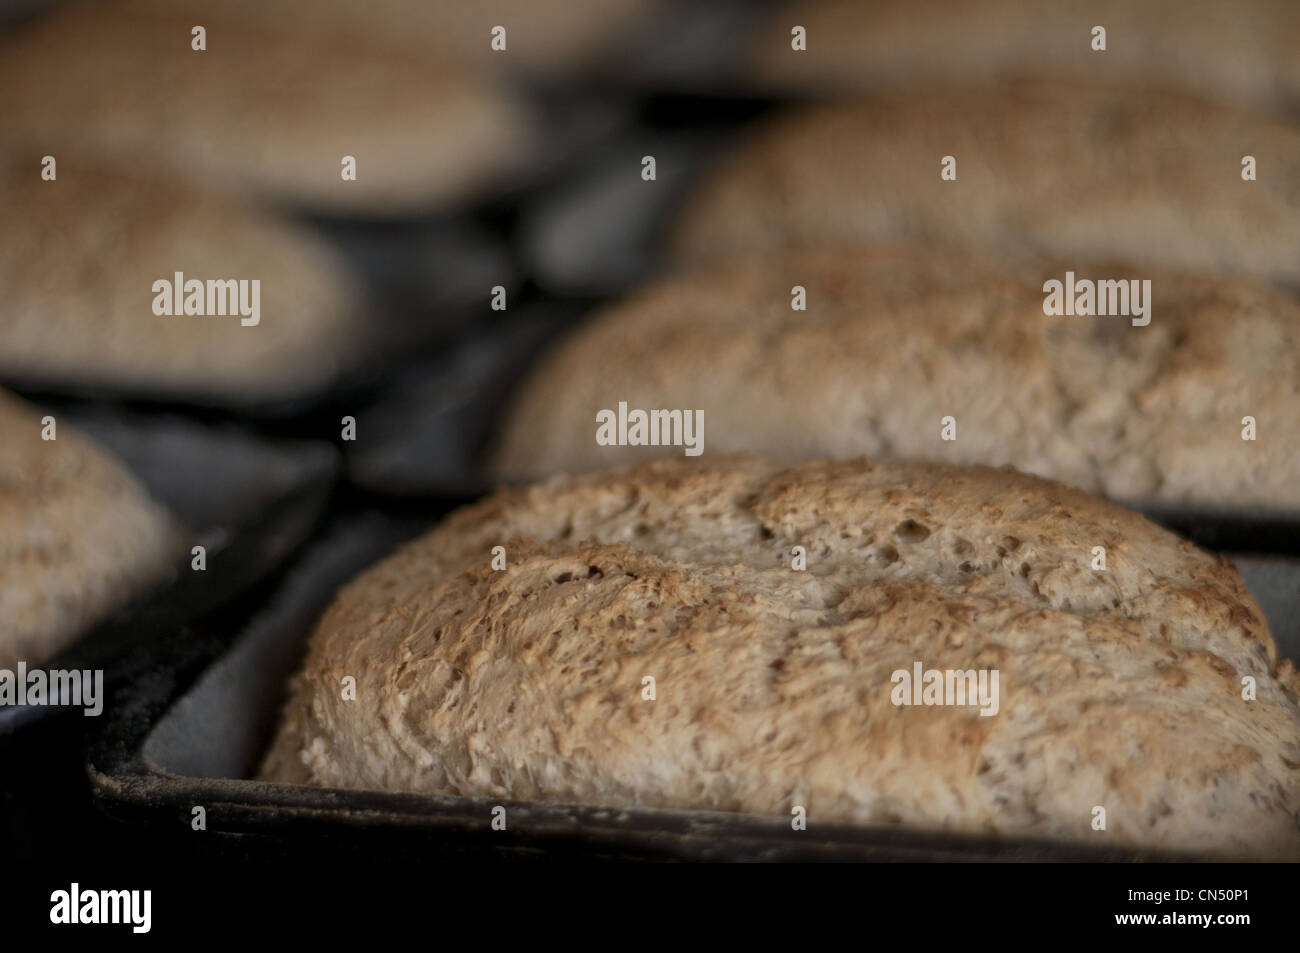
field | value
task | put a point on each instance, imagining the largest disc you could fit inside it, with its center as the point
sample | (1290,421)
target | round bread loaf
(269,107)
(1243,51)
(776,688)
(79,536)
(1070,170)
(898,337)
(79,302)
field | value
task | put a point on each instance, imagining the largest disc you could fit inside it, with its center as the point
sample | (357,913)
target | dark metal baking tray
(696,50)
(1243,529)
(600,230)
(250,502)
(1274,581)
(164,752)
(427,435)
(601,234)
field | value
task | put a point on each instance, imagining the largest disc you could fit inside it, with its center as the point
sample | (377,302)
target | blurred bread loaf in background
(1243,51)
(79,536)
(1094,171)
(543,37)
(897,337)
(271,106)
(79,283)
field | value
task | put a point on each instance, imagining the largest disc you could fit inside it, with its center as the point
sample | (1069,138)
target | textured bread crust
(269,108)
(897,337)
(1044,167)
(1243,51)
(542,35)
(78,288)
(772,686)
(79,537)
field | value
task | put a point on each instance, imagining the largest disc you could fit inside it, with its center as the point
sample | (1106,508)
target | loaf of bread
(547,36)
(273,108)
(898,337)
(79,536)
(79,297)
(775,688)
(1243,51)
(1073,170)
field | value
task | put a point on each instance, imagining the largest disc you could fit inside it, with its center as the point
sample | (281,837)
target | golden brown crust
(79,536)
(896,337)
(1119,689)
(273,109)
(1243,51)
(1075,171)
